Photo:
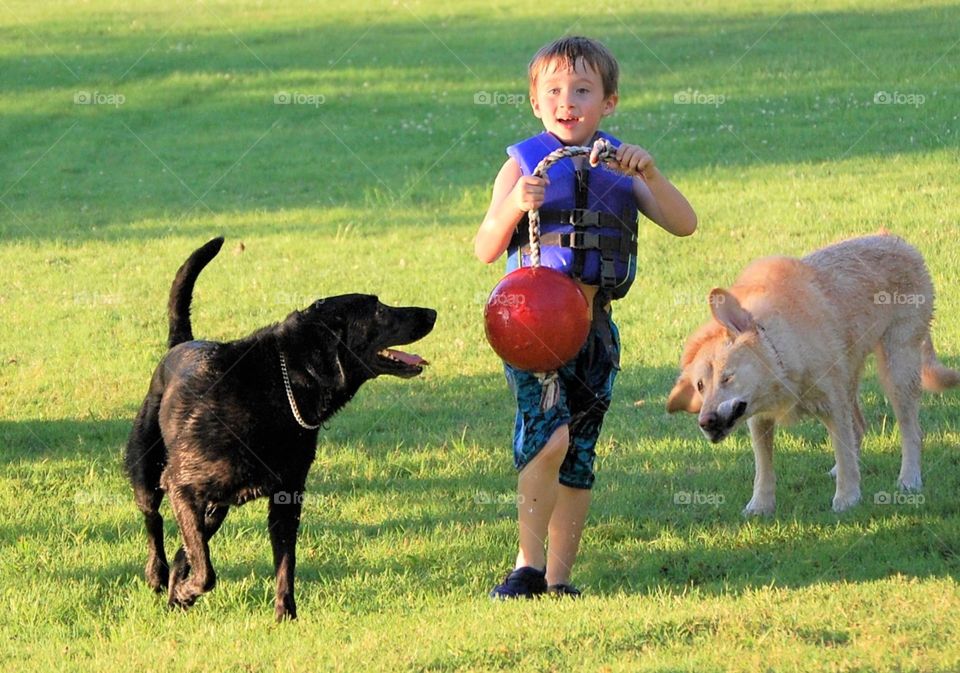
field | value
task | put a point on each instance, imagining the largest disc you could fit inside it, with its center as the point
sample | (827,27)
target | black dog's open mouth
(398,363)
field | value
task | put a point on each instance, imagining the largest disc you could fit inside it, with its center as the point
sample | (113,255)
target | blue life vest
(588,220)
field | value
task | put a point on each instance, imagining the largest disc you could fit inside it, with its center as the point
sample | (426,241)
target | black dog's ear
(314,352)
(324,366)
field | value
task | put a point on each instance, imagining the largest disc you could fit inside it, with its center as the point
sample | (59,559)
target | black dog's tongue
(405,358)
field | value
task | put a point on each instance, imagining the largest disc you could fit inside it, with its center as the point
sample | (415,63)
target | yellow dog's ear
(684,397)
(728,312)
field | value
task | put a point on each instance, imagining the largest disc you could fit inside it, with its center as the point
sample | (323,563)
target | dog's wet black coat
(216,428)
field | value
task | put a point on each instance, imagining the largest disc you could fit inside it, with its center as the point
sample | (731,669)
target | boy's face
(570,102)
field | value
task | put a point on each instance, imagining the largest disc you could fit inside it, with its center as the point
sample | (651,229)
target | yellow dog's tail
(935,376)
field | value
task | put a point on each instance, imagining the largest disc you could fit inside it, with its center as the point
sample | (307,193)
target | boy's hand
(528,193)
(630,160)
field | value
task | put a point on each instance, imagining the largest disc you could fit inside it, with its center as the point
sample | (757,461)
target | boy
(588,227)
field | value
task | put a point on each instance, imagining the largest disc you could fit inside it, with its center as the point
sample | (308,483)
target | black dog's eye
(700,386)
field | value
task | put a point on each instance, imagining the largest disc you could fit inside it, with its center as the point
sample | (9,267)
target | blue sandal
(525,582)
(562,590)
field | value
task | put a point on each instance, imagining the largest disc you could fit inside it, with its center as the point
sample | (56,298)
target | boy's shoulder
(509,171)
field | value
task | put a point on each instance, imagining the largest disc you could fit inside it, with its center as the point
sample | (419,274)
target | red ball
(537,319)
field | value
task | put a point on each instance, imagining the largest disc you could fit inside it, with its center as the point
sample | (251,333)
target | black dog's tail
(181,292)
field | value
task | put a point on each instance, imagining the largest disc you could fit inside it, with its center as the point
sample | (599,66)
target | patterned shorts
(586,388)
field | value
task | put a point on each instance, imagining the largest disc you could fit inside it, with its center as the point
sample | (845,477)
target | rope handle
(606,152)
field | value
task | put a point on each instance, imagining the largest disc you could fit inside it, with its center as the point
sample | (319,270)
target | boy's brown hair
(567,51)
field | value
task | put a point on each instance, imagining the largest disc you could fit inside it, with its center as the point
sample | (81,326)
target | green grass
(379,188)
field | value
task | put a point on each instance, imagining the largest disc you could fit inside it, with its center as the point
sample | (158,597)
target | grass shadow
(199,136)
(390,467)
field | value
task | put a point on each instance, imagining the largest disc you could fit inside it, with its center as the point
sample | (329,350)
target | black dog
(224,423)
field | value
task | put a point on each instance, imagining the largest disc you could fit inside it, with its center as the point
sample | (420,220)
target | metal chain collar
(293,403)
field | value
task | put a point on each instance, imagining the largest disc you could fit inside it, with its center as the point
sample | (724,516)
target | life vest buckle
(580,240)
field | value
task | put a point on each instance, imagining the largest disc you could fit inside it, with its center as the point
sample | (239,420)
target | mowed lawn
(352,148)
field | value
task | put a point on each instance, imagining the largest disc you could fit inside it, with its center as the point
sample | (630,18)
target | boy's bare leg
(537,489)
(565,529)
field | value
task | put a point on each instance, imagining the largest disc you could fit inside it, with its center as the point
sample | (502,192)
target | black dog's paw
(181,599)
(285,609)
(180,568)
(177,575)
(158,576)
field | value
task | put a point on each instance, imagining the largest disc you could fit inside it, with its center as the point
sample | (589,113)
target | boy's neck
(590,141)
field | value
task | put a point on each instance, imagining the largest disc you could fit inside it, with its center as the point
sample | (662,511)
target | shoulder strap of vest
(529,152)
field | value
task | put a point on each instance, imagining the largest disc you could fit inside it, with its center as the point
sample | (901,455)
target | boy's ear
(610,104)
(536,107)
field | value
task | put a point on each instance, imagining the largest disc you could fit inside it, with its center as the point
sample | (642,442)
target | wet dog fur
(216,428)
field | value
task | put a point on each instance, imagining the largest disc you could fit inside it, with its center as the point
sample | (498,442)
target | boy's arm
(513,195)
(656,196)
(663,203)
